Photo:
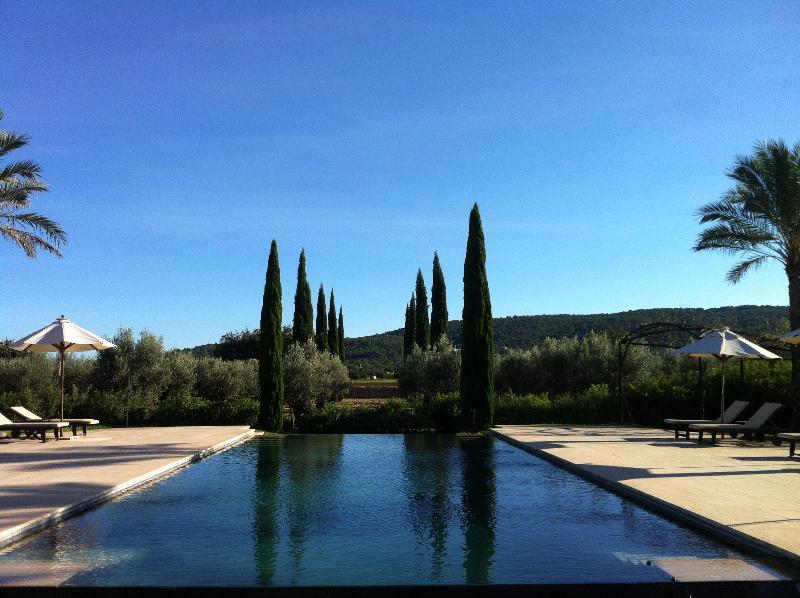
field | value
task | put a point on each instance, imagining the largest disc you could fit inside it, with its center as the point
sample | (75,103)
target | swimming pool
(367,510)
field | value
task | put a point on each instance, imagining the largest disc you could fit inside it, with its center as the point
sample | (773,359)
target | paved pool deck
(744,492)
(42,483)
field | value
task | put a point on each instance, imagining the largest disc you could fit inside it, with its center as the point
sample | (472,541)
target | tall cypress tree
(438,302)
(270,362)
(422,334)
(477,346)
(410,329)
(322,322)
(340,338)
(303,322)
(333,334)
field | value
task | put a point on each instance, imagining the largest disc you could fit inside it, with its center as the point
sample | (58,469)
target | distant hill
(379,353)
(385,351)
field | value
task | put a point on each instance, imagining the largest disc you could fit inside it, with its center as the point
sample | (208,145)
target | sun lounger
(792,437)
(29,416)
(31,429)
(728,417)
(758,424)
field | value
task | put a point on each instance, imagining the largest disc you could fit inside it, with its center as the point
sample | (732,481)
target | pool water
(367,510)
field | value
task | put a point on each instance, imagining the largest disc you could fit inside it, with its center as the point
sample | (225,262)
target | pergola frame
(638,337)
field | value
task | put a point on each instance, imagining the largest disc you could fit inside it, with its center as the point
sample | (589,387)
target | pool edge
(662,507)
(21,531)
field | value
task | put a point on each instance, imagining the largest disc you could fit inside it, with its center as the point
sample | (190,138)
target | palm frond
(11,141)
(42,224)
(16,192)
(18,181)
(29,242)
(740,237)
(24,169)
(725,210)
(736,273)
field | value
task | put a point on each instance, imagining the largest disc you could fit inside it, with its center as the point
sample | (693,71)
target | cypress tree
(340,338)
(322,322)
(477,346)
(303,322)
(270,362)
(410,329)
(438,302)
(422,333)
(333,333)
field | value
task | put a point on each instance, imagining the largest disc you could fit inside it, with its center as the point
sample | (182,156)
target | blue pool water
(365,510)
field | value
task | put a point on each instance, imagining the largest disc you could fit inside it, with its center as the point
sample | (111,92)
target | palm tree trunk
(793,273)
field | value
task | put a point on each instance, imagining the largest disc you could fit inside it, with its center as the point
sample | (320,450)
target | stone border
(18,532)
(678,514)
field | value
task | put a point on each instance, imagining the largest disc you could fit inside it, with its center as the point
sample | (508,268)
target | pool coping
(21,531)
(662,507)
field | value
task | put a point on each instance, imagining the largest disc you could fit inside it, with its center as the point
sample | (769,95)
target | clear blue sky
(179,141)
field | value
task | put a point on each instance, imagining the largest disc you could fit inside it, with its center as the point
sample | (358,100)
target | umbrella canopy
(724,345)
(63,336)
(792,337)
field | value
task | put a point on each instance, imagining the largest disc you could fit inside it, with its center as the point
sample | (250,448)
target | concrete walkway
(744,491)
(41,483)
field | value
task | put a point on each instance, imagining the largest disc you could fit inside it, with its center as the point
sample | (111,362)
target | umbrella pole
(62,385)
(722,394)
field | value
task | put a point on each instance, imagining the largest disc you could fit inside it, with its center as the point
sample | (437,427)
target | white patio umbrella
(724,345)
(63,336)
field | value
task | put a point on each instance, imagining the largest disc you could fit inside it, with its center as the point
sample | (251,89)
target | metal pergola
(640,336)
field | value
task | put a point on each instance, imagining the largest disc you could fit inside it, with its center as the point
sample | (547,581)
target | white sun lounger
(73,423)
(31,429)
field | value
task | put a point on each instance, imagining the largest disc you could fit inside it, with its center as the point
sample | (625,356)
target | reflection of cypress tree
(267,494)
(427,471)
(313,474)
(478,509)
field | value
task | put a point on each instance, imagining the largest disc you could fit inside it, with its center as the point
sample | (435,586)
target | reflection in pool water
(363,510)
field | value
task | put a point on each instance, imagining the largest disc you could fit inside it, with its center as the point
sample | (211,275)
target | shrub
(230,389)
(570,366)
(183,410)
(523,409)
(312,378)
(31,381)
(595,405)
(394,416)
(430,373)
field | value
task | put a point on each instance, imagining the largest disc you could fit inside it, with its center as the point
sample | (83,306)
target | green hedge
(398,416)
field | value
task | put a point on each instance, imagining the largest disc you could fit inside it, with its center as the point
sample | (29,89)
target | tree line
(384,352)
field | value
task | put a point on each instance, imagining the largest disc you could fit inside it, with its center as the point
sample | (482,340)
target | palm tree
(759,220)
(18,181)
